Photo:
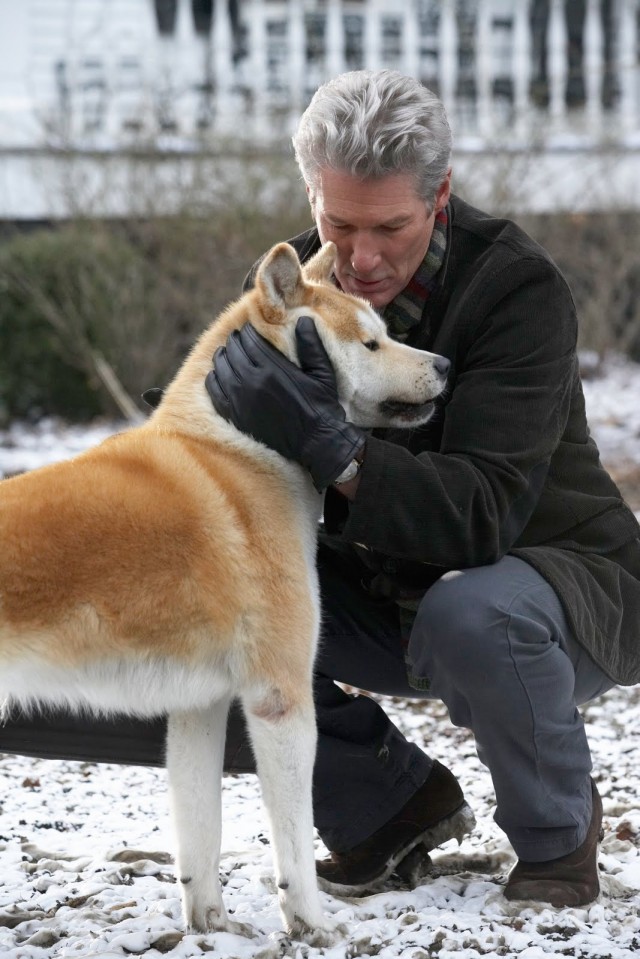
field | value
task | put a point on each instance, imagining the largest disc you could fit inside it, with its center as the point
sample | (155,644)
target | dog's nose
(442,365)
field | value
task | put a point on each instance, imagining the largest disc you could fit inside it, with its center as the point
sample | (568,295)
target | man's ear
(443,194)
(311,197)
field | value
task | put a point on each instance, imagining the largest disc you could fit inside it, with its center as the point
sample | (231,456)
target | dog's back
(142,568)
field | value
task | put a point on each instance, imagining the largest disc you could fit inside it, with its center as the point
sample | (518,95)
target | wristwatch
(350,472)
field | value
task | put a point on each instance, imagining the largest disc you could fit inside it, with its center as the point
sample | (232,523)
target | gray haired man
(487,559)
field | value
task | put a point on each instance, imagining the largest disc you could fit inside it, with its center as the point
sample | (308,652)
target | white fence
(180,75)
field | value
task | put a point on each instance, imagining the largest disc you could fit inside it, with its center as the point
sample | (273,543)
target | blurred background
(145,162)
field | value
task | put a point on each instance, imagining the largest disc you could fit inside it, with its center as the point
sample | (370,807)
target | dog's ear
(280,283)
(320,266)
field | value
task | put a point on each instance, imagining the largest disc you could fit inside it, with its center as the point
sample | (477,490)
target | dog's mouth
(406,412)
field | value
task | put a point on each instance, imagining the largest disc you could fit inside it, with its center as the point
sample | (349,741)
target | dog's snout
(442,365)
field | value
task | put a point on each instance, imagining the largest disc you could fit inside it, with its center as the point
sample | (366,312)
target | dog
(171,569)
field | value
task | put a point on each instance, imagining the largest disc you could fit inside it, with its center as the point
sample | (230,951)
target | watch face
(348,474)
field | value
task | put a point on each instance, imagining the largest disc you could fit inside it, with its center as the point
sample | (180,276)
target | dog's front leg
(195,754)
(284,745)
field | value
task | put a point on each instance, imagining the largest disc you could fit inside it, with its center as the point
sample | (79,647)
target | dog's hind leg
(195,753)
(284,743)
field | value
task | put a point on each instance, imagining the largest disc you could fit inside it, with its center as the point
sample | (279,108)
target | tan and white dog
(172,568)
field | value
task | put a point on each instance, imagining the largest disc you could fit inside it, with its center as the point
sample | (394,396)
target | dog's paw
(321,936)
(239,929)
(212,920)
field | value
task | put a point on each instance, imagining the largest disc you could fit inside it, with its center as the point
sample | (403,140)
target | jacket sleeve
(467,503)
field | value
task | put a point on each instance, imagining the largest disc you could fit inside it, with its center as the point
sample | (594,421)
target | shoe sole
(456,826)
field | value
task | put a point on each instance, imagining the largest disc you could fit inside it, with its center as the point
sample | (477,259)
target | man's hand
(293,410)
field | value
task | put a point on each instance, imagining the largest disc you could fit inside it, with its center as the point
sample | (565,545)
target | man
(486,559)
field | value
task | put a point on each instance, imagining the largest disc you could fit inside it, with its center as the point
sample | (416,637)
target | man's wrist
(348,487)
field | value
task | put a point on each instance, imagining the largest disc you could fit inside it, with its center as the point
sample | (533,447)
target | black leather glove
(293,410)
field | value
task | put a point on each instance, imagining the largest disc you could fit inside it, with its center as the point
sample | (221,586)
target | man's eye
(372,345)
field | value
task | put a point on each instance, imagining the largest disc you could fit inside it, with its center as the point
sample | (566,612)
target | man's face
(381,228)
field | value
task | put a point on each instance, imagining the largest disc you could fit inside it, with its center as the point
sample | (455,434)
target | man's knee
(454,599)
(475,621)
(462,622)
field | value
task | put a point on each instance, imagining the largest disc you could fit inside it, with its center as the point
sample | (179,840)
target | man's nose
(365,256)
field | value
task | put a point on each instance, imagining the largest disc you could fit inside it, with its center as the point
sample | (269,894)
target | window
(166,11)
(202,11)
(354,43)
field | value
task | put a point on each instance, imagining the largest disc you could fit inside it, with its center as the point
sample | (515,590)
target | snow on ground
(85,864)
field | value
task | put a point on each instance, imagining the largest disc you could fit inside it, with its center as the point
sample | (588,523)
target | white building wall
(97,75)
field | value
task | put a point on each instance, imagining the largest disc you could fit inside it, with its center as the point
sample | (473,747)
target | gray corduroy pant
(493,644)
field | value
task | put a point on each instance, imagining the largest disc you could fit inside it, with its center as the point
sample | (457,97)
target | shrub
(94,312)
(76,303)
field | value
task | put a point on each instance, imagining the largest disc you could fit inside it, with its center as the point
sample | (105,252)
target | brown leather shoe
(571,880)
(435,813)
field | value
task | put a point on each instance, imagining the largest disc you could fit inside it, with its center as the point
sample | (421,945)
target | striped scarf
(405,310)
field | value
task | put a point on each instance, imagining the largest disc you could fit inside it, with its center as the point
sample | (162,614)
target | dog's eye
(372,345)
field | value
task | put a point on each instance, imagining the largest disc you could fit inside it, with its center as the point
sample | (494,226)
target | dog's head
(380,382)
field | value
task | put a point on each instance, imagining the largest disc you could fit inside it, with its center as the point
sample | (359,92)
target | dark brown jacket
(507,464)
